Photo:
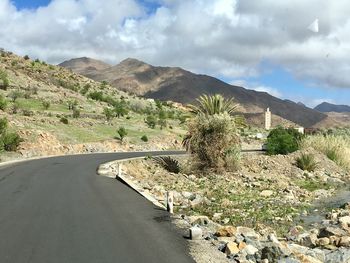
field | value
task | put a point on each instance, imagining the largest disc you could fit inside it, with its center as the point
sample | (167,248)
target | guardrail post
(170,202)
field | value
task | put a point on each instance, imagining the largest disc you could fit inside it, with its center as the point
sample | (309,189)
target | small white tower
(268,119)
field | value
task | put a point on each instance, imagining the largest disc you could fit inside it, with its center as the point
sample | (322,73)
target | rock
(334,240)
(331,231)
(273,238)
(195,233)
(266,193)
(308,259)
(271,253)
(217,216)
(225,220)
(341,255)
(323,241)
(250,250)
(231,248)
(198,220)
(188,195)
(242,245)
(226,231)
(318,254)
(344,221)
(247,232)
(344,241)
(307,240)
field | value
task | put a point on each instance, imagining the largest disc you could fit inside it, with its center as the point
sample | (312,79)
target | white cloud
(228,38)
(257,87)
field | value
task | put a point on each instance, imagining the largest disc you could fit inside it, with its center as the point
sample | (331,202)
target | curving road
(57,210)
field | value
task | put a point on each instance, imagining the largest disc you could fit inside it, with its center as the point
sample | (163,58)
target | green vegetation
(306,162)
(122,133)
(76,113)
(216,104)
(212,136)
(168,163)
(64,120)
(283,141)
(9,141)
(335,147)
(14,95)
(4,81)
(151,121)
(3,103)
(46,104)
(109,113)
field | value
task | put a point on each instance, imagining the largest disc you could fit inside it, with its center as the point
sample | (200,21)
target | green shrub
(64,120)
(46,104)
(151,121)
(3,125)
(283,141)
(96,95)
(10,141)
(306,162)
(15,107)
(109,113)
(121,108)
(213,141)
(3,103)
(122,133)
(14,95)
(72,104)
(168,163)
(76,113)
(144,138)
(85,89)
(26,112)
(4,81)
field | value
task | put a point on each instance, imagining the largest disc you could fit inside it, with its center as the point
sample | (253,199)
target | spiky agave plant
(168,163)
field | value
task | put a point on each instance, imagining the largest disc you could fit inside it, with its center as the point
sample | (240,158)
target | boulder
(323,241)
(247,232)
(331,231)
(231,248)
(341,255)
(226,231)
(344,241)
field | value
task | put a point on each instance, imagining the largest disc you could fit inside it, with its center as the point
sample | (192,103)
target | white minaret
(268,119)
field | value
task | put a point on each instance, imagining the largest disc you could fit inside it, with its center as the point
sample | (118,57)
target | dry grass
(335,147)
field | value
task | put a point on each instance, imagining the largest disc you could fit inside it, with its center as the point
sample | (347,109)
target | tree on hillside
(120,108)
(109,113)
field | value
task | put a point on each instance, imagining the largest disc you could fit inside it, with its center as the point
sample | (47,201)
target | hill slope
(329,107)
(57,129)
(176,84)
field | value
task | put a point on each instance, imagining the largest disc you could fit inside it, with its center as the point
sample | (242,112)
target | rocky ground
(254,214)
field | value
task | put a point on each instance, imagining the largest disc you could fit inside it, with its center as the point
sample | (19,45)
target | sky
(265,45)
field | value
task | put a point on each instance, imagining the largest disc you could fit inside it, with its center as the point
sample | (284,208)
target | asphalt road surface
(59,210)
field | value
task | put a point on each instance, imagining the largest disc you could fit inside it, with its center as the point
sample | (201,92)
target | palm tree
(214,104)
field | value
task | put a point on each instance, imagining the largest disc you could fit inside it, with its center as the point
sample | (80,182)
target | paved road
(59,210)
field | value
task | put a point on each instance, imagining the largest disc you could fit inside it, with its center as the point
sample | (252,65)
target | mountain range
(329,107)
(179,85)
